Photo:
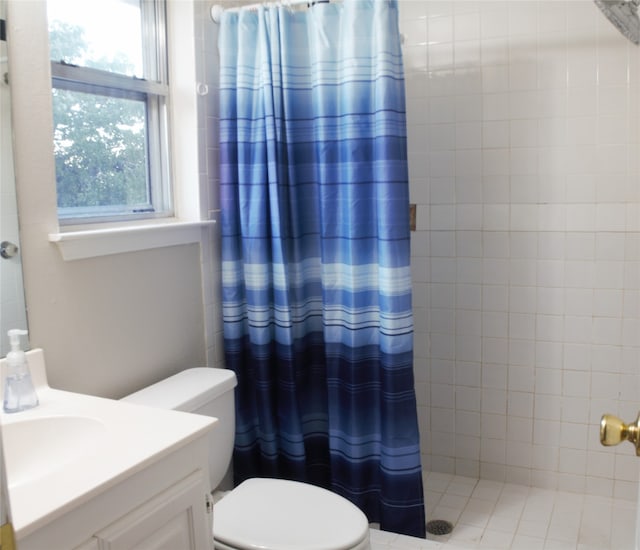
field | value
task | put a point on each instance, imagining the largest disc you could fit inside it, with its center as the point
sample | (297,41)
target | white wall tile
(578,357)
(494,401)
(609,303)
(548,355)
(575,409)
(550,328)
(519,454)
(493,450)
(548,381)
(522,272)
(469,349)
(581,188)
(578,329)
(469,296)
(494,350)
(579,274)
(576,383)
(494,376)
(468,271)
(468,374)
(604,385)
(547,407)
(581,246)
(610,246)
(607,358)
(551,294)
(440,28)
(467,399)
(520,404)
(521,354)
(522,299)
(625,469)
(520,429)
(580,217)
(468,217)
(495,297)
(546,433)
(523,119)
(521,378)
(468,322)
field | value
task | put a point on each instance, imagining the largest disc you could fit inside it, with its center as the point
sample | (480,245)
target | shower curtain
(315,253)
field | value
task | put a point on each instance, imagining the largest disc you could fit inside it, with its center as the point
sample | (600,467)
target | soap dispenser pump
(19,393)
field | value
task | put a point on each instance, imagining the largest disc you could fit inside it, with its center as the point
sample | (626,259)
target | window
(110,96)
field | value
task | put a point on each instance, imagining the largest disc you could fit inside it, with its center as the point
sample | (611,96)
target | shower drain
(439,527)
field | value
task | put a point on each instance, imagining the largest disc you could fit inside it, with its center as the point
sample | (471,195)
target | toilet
(260,513)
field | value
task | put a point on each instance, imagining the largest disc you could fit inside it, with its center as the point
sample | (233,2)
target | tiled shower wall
(523,122)
(207,66)
(206,41)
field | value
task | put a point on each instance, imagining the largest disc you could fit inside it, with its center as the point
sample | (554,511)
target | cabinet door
(175,518)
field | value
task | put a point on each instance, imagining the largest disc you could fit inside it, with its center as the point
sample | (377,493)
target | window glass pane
(100,34)
(100,148)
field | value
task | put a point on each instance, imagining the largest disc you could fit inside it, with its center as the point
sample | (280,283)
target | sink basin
(37,447)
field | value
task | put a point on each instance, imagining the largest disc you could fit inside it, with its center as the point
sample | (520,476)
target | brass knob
(614,431)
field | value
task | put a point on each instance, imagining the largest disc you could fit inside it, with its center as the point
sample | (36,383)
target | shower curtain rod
(217,9)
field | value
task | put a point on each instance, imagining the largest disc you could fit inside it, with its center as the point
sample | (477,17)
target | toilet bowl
(260,513)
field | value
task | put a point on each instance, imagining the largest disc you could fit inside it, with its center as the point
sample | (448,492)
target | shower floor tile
(494,515)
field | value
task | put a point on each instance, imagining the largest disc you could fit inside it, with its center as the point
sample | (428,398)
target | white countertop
(127,439)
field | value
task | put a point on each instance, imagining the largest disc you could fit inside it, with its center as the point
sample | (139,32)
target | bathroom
(522,121)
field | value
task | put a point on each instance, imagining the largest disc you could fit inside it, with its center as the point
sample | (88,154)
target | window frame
(154,92)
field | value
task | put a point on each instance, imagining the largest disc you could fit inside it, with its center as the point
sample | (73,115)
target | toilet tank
(206,391)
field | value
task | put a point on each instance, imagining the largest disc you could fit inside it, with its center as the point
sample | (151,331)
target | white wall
(523,151)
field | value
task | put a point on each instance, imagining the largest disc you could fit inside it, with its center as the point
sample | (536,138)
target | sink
(75,457)
(37,447)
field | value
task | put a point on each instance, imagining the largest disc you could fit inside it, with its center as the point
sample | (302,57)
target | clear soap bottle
(19,393)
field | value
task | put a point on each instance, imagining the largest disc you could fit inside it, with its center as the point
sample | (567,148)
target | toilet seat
(276,514)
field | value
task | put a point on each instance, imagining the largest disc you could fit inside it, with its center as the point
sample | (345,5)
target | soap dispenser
(19,393)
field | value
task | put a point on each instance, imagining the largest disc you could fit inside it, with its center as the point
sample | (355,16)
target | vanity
(87,473)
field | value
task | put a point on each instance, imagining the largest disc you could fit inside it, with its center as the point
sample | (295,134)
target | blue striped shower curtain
(315,253)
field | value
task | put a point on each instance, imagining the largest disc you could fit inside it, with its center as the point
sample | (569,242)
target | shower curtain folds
(316,281)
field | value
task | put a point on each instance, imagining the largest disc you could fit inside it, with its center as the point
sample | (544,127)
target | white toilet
(260,513)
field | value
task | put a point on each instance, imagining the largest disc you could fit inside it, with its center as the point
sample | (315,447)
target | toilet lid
(275,514)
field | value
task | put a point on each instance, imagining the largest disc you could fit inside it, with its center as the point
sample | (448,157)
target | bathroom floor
(493,515)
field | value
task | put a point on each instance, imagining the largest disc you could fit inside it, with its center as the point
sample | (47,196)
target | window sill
(92,243)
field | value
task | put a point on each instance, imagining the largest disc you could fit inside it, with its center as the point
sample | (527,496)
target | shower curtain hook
(216,13)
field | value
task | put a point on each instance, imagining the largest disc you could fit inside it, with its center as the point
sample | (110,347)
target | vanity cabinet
(88,473)
(167,522)
(163,507)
